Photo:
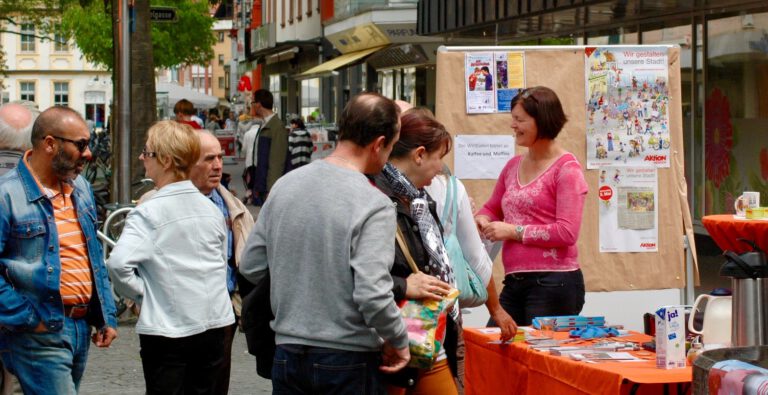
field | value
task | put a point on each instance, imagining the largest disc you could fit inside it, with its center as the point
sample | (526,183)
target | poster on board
(627,107)
(510,78)
(479,77)
(628,209)
(482,157)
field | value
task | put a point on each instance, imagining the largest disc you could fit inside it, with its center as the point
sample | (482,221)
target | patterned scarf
(428,228)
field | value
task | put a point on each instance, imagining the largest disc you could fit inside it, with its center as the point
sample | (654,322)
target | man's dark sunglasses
(81,144)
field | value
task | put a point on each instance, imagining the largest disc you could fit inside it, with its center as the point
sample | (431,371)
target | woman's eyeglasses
(148,154)
(81,144)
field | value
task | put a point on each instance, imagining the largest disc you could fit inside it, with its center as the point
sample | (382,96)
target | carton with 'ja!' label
(670,337)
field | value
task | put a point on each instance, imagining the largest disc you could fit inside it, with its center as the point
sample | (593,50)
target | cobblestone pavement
(117,369)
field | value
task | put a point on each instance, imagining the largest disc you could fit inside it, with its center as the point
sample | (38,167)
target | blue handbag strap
(451,203)
(448,202)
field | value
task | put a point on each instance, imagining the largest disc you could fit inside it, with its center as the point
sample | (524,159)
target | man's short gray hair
(15,137)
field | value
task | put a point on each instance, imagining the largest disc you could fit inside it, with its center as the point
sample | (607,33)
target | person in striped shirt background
(299,144)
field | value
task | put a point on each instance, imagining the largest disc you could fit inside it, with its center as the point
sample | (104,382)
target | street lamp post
(124,103)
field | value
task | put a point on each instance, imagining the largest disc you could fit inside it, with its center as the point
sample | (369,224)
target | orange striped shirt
(76,280)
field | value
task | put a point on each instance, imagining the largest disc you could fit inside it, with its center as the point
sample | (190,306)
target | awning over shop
(337,62)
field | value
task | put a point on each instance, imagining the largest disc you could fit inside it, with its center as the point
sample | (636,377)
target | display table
(725,230)
(517,369)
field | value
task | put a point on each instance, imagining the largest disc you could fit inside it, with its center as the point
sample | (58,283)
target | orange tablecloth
(517,369)
(725,229)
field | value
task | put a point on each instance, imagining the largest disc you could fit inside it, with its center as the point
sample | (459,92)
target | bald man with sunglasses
(53,283)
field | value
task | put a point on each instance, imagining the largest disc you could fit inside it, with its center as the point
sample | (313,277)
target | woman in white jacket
(171,258)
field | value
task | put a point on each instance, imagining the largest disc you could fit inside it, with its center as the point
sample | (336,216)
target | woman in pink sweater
(536,210)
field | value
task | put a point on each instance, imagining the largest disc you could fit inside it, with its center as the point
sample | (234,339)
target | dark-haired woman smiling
(536,209)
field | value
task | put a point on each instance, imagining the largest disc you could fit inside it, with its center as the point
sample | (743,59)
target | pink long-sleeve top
(550,207)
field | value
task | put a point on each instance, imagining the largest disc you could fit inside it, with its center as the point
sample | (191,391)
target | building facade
(53,73)
(315,55)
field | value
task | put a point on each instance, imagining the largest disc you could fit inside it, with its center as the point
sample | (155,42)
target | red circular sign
(605,192)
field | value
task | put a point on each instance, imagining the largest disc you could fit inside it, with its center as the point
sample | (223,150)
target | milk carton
(670,337)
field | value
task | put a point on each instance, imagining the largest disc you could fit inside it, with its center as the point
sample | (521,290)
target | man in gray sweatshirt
(324,244)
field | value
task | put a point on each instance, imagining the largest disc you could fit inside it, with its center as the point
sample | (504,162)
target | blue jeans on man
(302,369)
(31,354)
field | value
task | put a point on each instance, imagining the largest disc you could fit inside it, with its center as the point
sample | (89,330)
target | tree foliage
(189,40)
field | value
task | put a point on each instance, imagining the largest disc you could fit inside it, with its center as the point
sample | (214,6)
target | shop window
(27,91)
(409,85)
(386,77)
(310,99)
(61,94)
(27,37)
(274,87)
(735,110)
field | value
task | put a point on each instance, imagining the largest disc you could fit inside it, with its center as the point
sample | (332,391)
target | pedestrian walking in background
(183,111)
(172,258)
(271,147)
(299,144)
(54,285)
(328,260)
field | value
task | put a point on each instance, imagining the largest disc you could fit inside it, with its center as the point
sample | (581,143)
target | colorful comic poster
(628,207)
(510,78)
(479,76)
(627,107)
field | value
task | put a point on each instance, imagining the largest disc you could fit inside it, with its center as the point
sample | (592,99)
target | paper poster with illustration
(627,107)
(628,207)
(510,78)
(479,78)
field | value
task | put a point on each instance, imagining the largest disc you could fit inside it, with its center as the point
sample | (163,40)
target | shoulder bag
(425,319)
(473,292)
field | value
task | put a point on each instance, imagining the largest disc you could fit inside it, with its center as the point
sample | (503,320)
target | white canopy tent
(175,93)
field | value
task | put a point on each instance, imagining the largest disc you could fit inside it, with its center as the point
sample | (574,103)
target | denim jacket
(30,269)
